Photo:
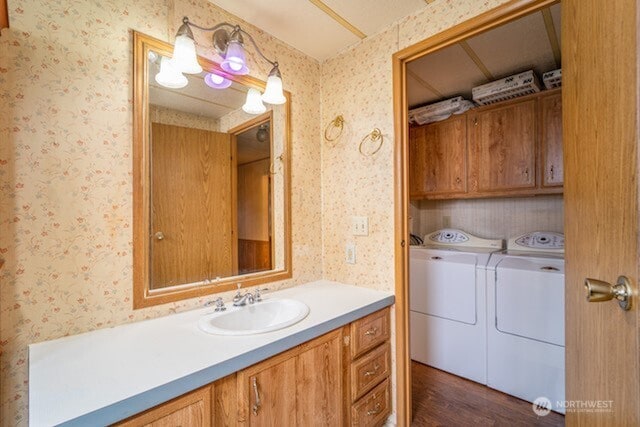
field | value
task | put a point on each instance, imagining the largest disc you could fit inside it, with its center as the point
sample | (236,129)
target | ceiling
(321,28)
(531,42)
(196,98)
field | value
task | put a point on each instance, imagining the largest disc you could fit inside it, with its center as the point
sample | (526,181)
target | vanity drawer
(374,408)
(369,370)
(369,332)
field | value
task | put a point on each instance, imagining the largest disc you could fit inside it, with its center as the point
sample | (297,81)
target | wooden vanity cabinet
(191,409)
(341,378)
(438,157)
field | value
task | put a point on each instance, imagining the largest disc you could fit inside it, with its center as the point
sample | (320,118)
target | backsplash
(489,218)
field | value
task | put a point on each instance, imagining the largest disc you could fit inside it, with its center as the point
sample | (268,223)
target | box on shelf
(439,110)
(506,88)
(552,79)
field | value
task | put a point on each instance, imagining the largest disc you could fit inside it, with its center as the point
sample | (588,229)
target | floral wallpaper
(65,169)
(357,83)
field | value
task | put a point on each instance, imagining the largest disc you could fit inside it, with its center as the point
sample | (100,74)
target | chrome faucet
(219,304)
(240,300)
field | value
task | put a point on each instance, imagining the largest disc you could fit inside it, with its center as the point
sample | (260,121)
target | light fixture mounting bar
(234,28)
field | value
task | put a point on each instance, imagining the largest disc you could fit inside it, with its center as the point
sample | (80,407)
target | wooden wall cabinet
(513,148)
(502,144)
(338,379)
(438,154)
(551,139)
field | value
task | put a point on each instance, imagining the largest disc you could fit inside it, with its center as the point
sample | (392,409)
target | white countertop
(107,375)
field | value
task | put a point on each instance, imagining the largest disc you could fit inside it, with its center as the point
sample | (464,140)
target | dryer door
(530,298)
(443,284)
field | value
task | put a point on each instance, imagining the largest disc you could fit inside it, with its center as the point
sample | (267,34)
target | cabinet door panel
(438,153)
(551,140)
(267,393)
(503,147)
(319,383)
(191,409)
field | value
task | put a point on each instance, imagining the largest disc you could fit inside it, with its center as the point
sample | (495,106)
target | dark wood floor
(442,399)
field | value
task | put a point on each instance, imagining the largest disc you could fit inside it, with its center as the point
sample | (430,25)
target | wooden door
(600,120)
(438,157)
(502,147)
(319,383)
(551,139)
(267,392)
(192,205)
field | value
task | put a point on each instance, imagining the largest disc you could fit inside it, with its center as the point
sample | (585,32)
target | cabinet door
(191,409)
(551,139)
(503,142)
(319,383)
(267,392)
(438,153)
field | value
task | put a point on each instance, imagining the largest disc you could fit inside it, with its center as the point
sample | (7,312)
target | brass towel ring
(337,123)
(373,136)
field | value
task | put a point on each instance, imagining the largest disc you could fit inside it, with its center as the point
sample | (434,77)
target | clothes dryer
(447,299)
(525,302)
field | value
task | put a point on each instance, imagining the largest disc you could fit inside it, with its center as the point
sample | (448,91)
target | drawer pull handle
(371,332)
(258,403)
(376,410)
(375,371)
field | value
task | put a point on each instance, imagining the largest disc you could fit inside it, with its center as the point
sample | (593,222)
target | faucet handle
(219,304)
(258,295)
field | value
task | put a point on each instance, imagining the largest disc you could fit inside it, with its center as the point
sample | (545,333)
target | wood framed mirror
(211,184)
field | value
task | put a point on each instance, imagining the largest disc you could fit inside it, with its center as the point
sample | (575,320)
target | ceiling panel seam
(339,19)
(553,35)
(476,59)
(424,83)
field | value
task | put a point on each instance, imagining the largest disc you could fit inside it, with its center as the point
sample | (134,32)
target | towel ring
(373,136)
(338,123)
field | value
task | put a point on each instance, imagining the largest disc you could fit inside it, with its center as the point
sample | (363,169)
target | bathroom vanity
(331,368)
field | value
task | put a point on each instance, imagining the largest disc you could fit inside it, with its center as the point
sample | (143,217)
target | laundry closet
(486,209)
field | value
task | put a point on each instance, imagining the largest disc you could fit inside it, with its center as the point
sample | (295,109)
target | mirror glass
(216,184)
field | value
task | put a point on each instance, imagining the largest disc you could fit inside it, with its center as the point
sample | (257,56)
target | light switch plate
(360,225)
(350,253)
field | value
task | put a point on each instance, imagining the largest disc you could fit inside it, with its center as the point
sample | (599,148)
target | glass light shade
(254,104)
(185,58)
(234,59)
(273,92)
(169,76)
(217,82)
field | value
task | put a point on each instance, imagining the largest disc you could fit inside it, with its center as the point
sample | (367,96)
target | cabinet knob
(371,332)
(458,180)
(159,235)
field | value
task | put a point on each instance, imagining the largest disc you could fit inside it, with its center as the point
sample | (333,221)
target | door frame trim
(506,12)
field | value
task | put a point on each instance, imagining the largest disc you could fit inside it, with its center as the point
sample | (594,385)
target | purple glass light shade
(217,82)
(234,59)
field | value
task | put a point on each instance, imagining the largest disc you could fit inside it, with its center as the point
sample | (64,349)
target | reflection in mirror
(216,182)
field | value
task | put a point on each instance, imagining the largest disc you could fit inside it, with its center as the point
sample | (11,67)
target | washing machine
(447,300)
(525,308)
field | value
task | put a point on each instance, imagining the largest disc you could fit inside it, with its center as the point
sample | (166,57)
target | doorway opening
(455,176)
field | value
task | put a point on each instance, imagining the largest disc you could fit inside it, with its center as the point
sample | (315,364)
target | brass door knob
(599,290)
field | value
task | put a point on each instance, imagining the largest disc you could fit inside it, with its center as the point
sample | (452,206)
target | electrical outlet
(360,225)
(350,253)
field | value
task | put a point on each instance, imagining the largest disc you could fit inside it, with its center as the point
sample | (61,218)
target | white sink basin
(265,316)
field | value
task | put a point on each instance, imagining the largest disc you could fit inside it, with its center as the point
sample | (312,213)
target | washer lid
(538,241)
(451,237)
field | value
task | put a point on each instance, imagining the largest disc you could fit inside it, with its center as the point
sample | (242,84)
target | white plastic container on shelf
(552,79)
(507,88)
